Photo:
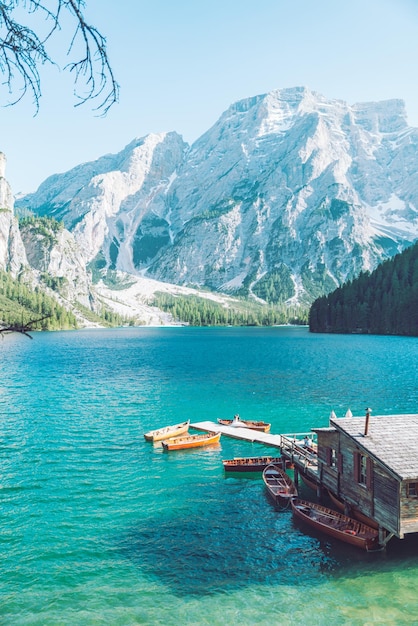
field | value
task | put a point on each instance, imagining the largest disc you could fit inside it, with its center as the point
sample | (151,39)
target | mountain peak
(289,193)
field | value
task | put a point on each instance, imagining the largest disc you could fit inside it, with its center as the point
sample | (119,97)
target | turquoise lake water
(100,527)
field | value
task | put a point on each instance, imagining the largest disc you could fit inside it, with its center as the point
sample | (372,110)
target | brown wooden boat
(191,441)
(251,464)
(252,424)
(358,515)
(280,486)
(309,482)
(167,432)
(335,524)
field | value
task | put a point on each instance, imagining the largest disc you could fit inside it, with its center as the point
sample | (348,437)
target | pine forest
(383,302)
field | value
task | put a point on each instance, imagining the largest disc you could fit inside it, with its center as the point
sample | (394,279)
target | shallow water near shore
(100,527)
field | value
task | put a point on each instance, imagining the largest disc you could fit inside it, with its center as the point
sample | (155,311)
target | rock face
(288,193)
(108,204)
(46,254)
(58,260)
(12,251)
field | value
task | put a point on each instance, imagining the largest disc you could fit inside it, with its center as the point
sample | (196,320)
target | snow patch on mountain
(135,301)
(285,186)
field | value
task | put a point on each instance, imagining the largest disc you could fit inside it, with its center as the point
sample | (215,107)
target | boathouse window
(331,457)
(412,489)
(363,469)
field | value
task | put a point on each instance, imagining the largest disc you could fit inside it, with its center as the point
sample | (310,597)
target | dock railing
(294,448)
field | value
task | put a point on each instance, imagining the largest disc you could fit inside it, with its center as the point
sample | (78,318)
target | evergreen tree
(382,302)
(203,312)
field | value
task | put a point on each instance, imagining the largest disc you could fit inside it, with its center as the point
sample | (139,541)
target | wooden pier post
(319,489)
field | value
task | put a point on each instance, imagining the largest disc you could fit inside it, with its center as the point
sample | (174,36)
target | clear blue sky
(181,63)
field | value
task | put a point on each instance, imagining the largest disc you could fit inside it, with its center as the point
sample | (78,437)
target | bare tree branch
(24,329)
(23,51)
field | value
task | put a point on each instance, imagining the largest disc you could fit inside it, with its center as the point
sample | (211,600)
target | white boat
(167,432)
(191,441)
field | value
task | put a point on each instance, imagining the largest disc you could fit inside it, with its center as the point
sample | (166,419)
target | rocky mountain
(43,255)
(12,250)
(288,195)
(53,253)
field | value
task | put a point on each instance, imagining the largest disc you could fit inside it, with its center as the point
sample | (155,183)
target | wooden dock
(367,465)
(290,446)
(246,434)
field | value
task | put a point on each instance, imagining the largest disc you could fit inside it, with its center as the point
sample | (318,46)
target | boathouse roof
(391,439)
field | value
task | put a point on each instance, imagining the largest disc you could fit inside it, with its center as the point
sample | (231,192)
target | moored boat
(358,515)
(280,486)
(167,432)
(191,441)
(309,482)
(253,424)
(251,464)
(335,524)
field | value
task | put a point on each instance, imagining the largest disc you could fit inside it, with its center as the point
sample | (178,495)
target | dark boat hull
(251,464)
(280,487)
(355,512)
(335,524)
(308,481)
(263,427)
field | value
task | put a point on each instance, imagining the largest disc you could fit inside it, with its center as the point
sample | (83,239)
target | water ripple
(99,526)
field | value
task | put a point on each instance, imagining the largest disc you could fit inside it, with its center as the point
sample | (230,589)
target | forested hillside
(20,303)
(203,312)
(383,302)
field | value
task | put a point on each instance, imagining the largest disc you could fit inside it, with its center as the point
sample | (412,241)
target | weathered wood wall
(409,510)
(379,498)
(386,499)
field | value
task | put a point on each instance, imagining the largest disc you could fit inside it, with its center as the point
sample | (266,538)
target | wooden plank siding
(409,509)
(327,441)
(374,469)
(350,489)
(386,500)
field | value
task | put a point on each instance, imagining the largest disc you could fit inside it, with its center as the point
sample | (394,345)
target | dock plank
(303,460)
(245,434)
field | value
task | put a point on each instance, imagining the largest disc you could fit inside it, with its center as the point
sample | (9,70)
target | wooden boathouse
(367,465)
(370,464)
